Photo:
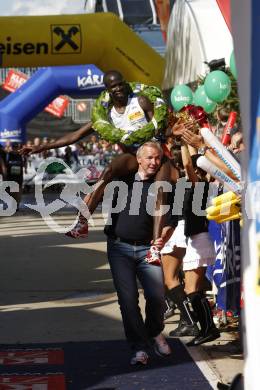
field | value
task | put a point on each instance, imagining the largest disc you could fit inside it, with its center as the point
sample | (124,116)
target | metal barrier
(79,110)
(4,71)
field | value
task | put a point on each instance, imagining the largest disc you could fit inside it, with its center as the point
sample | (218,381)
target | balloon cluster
(216,89)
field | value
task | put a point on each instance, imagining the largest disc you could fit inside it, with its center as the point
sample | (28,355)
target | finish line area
(94,365)
(60,321)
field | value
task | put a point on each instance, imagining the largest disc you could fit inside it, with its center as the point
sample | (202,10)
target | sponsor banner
(32,382)
(89,80)
(30,357)
(11,135)
(226,270)
(16,79)
(58,106)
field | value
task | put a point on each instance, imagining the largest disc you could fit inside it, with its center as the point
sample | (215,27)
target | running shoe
(153,256)
(161,347)
(80,230)
(139,358)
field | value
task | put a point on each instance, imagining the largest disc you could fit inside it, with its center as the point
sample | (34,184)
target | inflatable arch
(33,96)
(101,39)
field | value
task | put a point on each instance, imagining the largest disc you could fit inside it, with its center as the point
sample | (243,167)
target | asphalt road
(58,290)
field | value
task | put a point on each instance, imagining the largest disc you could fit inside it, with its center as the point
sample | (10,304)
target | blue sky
(40,7)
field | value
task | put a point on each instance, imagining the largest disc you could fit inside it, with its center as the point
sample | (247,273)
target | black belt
(133,242)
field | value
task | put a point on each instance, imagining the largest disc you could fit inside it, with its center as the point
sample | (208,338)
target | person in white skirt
(200,250)
(173,253)
(172,256)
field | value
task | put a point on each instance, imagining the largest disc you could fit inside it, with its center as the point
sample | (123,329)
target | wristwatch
(202,150)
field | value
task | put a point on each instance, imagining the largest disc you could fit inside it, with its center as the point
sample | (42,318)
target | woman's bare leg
(194,280)
(171,264)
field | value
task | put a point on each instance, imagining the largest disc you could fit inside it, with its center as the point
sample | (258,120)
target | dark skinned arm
(147,106)
(67,139)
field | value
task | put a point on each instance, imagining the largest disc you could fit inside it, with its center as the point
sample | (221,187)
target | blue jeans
(127,263)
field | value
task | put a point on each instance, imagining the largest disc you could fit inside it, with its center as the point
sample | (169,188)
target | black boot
(170,308)
(208,331)
(187,326)
(184,329)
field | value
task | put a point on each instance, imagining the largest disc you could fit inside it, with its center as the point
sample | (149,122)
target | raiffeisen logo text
(65,39)
(16,48)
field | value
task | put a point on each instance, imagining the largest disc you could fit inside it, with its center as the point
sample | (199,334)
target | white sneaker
(161,347)
(140,357)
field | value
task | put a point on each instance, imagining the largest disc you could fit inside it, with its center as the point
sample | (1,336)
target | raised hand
(192,139)
(181,125)
(178,128)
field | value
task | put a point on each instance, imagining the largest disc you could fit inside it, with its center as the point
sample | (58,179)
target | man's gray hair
(150,144)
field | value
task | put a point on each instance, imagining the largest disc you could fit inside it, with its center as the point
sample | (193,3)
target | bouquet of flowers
(193,117)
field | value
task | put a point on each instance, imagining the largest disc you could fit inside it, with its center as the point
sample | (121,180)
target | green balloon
(232,65)
(181,96)
(217,86)
(201,99)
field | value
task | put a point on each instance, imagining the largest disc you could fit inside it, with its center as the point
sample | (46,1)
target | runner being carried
(130,122)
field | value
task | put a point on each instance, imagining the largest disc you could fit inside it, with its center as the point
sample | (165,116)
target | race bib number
(136,118)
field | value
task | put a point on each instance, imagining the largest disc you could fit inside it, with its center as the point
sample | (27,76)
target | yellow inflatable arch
(101,39)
